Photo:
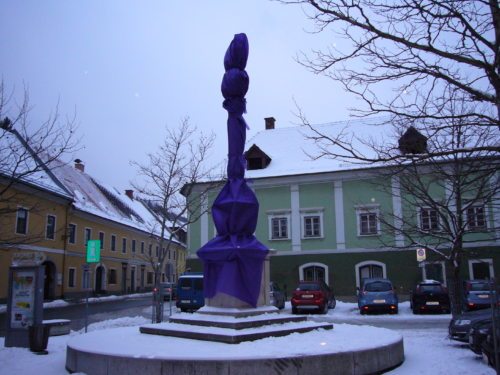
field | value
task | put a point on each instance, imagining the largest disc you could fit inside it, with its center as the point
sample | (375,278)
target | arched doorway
(49,280)
(314,272)
(369,269)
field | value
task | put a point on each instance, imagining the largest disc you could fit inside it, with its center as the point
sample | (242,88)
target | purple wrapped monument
(233,261)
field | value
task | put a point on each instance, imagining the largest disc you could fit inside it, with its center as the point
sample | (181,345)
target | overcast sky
(131,68)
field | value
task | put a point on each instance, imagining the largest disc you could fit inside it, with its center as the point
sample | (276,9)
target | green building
(336,221)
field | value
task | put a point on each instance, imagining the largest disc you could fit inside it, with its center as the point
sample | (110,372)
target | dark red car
(314,296)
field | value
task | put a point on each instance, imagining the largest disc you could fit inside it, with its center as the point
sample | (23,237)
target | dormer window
(256,158)
(413,142)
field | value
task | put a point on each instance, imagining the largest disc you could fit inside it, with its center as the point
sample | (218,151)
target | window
(112,276)
(429,220)
(369,271)
(88,235)
(124,245)
(481,269)
(312,225)
(314,273)
(101,238)
(173,254)
(72,233)
(142,247)
(157,251)
(22,221)
(476,218)
(113,242)
(434,271)
(367,220)
(278,227)
(149,278)
(71,277)
(133,246)
(50,229)
(150,249)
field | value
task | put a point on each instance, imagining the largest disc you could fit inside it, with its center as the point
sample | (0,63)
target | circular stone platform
(347,349)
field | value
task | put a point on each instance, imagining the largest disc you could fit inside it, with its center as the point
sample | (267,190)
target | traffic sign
(421,254)
(93,251)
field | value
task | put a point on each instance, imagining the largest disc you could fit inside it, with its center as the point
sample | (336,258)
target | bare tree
(408,60)
(26,152)
(431,65)
(446,203)
(178,164)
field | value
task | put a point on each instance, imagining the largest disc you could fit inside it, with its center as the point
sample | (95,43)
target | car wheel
(415,310)
(325,309)
(294,310)
(362,312)
(183,310)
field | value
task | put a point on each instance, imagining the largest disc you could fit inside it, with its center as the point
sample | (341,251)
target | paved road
(97,312)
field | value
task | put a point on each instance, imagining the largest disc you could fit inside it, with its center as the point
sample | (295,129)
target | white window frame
(124,245)
(27,220)
(443,270)
(103,239)
(109,272)
(367,209)
(47,227)
(74,277)
(112,240)
(74,233)
(314,264)
(310,213)
(85,239)
(368,263)
(419,216)
(485,214)
(489,261)
(278,215)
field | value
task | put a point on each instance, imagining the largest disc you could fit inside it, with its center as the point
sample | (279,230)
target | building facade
(324,220)
(58,210)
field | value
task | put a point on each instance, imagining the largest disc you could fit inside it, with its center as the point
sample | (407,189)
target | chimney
(270,122)
(79,165)
(129,193)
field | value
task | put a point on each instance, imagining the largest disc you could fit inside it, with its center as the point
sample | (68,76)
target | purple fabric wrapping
(233,261)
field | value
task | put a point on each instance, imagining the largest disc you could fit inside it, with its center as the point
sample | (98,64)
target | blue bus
(190,291)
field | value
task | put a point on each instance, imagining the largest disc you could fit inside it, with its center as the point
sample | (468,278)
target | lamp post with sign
(93,256)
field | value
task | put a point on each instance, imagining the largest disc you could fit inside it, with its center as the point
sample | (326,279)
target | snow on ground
(427,351)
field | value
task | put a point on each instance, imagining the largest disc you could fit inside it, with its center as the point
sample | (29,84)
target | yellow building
(54,212)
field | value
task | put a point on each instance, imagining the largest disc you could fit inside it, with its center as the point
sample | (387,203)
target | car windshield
(308,286)
(434,288)
(378,286)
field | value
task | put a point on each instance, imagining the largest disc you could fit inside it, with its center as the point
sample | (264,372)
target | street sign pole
(93,256)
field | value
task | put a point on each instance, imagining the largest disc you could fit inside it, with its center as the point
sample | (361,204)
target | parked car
(430,296)
(459,327)
(488,346)
(190,291)
(276,296)
(477,294)
(377,295)
(169,291)
(477,334)
(313,296)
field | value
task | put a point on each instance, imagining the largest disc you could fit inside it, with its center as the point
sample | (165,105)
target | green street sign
(93,251)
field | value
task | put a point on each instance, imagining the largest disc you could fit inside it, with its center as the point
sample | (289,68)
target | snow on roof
(292,153)
(18,161)
(98,198)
